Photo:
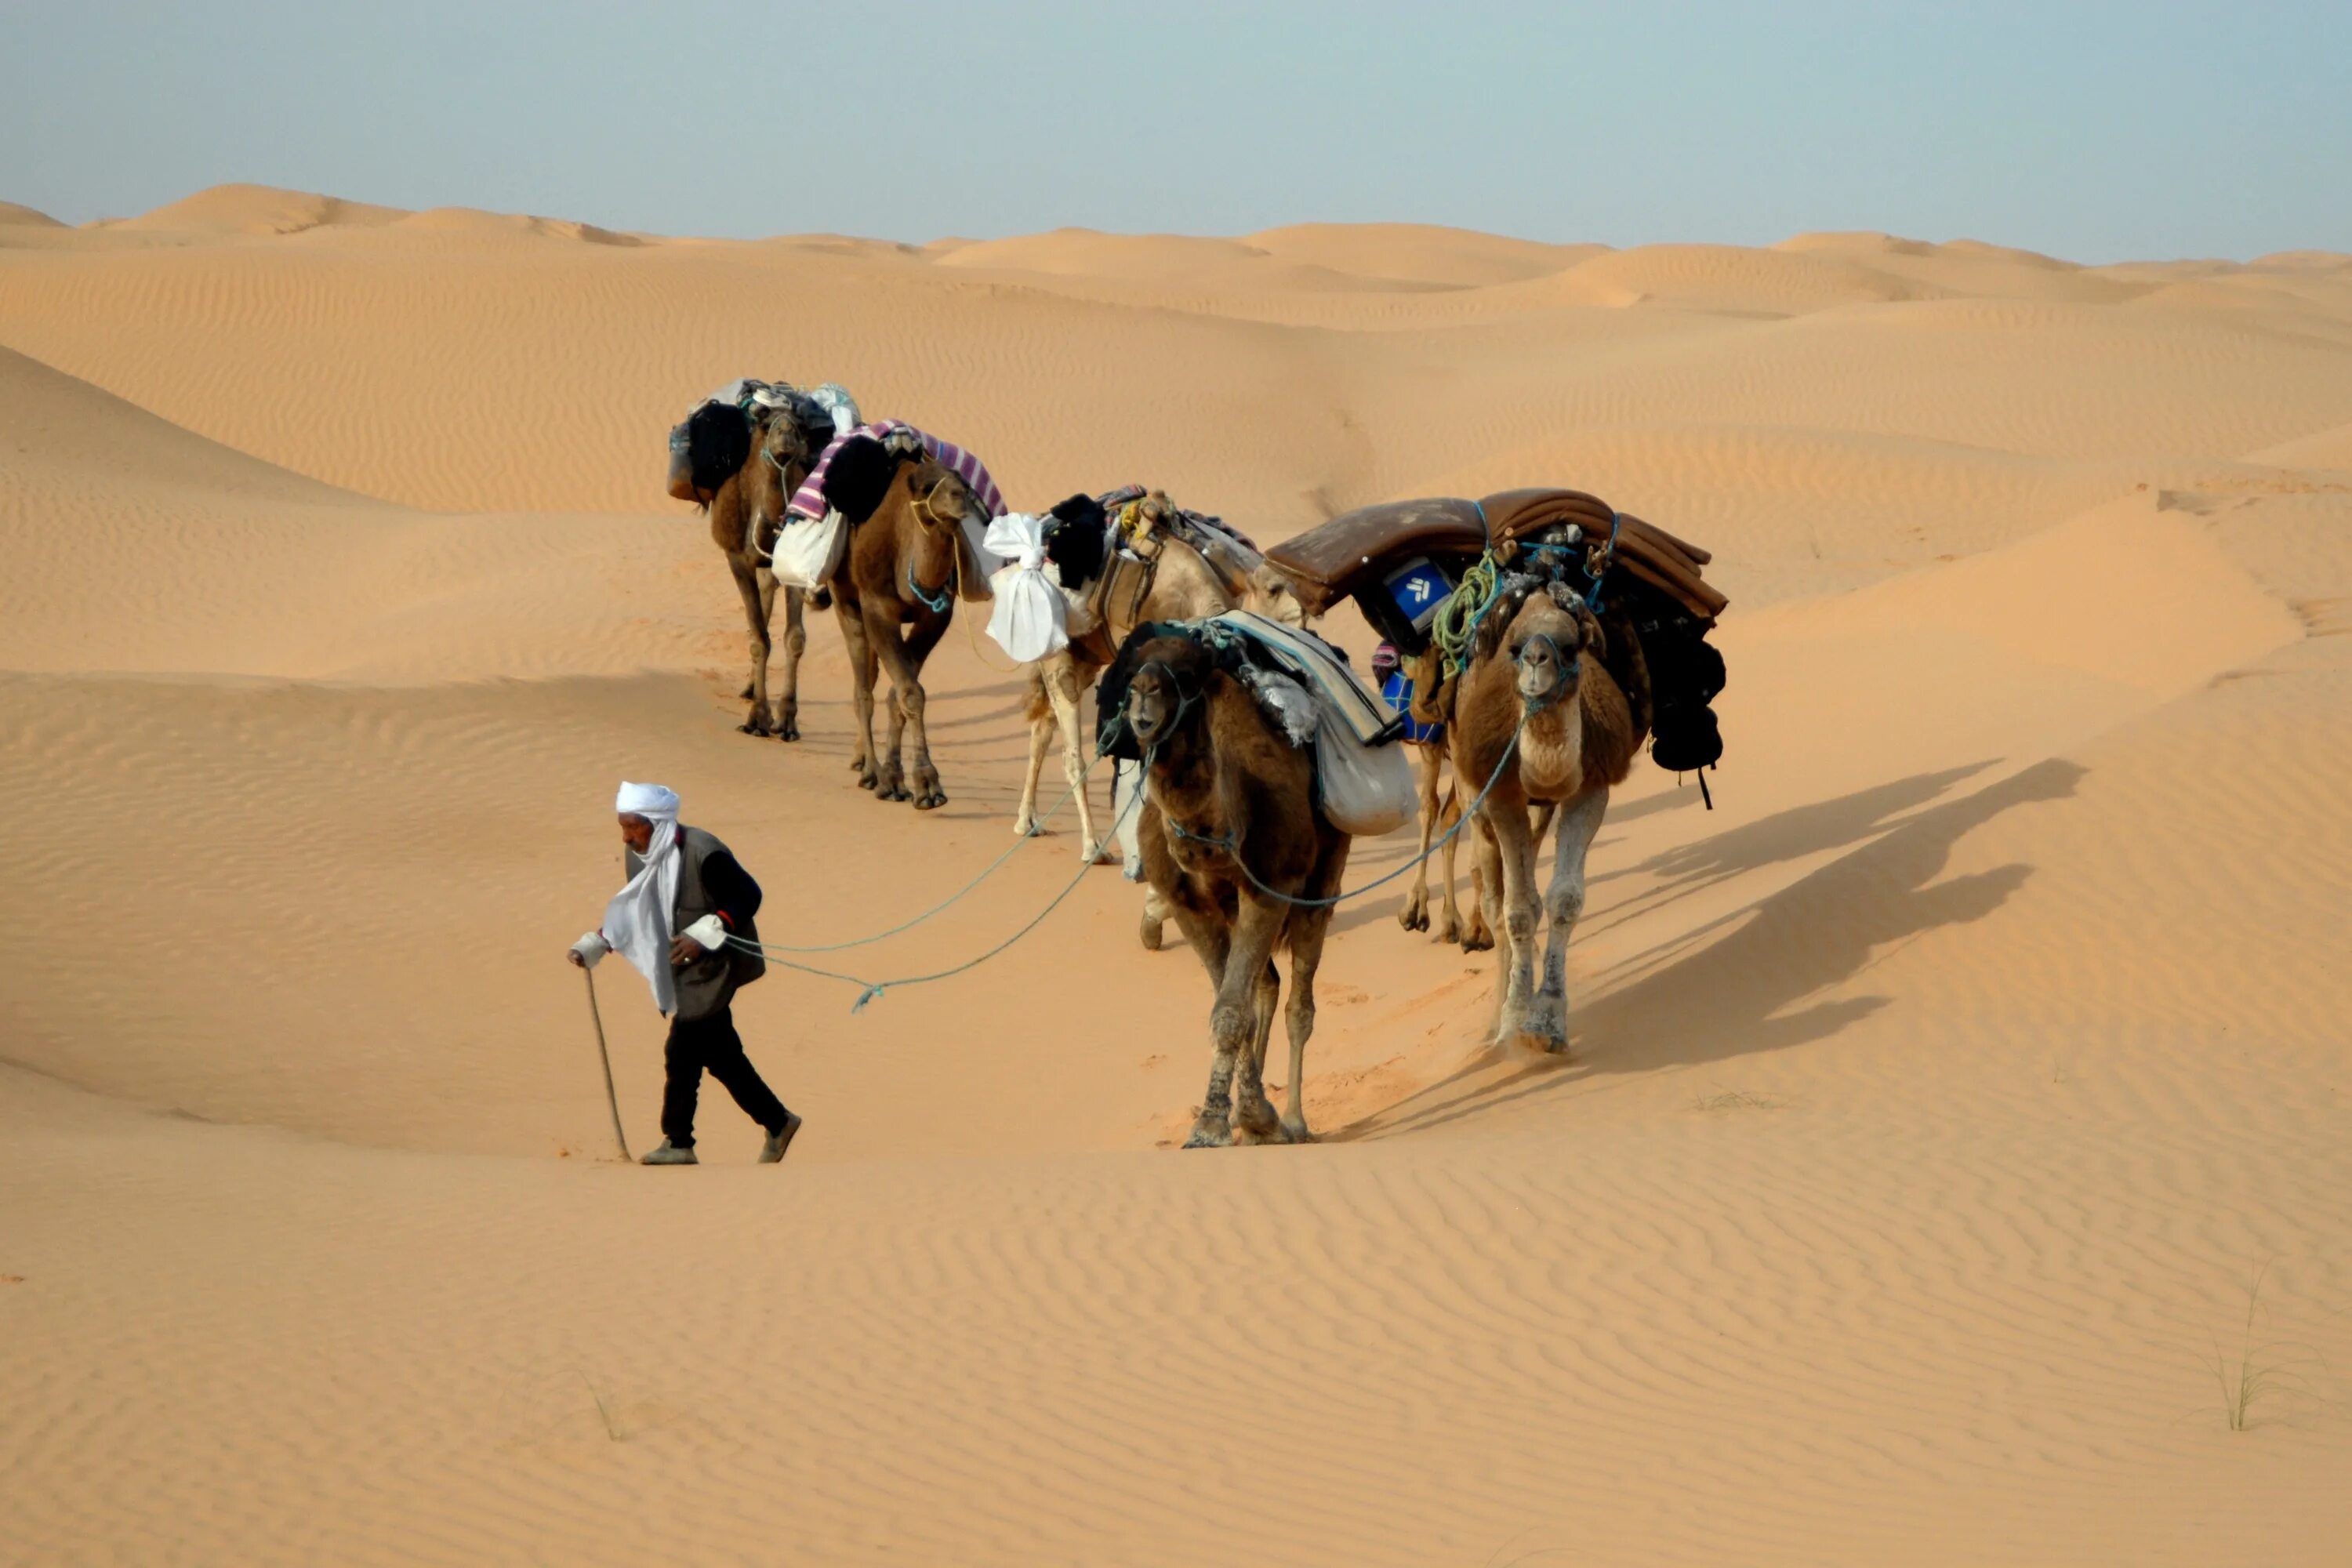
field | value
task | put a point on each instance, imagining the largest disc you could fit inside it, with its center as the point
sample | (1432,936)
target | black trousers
(711,1044)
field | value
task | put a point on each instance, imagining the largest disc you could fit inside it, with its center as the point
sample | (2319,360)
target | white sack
(1366,790)
(808,550)
(981,565)
(1032,618)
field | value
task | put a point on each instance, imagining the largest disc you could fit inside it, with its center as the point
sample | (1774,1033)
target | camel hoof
(932,802)
(865,781)
(744,695)
(1538,1043)
(790,730)
(1026,827)
(1478,942)
(1211,1137)
(1297,1132)
(1450,933)
(1152,934)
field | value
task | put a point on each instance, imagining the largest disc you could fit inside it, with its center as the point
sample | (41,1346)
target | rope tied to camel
(1230,844)
(872,990)
(1463,611)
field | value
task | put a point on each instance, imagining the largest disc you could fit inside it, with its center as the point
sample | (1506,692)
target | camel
(1577,696)
(779,450)
(1188,582)
(1225,789)
(903,568)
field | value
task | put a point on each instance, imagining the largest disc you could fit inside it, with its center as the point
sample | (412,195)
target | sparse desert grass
(2258,1367)
(1734,1099)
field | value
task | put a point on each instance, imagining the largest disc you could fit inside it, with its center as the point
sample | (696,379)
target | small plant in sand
(2258,1366)
(1734,1099)
(604,1411)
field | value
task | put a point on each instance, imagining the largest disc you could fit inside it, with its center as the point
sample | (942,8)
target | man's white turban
(655,803)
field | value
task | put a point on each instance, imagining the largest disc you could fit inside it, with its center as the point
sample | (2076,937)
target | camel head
(1170,676)
(1547,640)
(1269,592)
(782,452)
(937,500)
(1433,698)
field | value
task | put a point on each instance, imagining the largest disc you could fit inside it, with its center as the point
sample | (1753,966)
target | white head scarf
(637,922)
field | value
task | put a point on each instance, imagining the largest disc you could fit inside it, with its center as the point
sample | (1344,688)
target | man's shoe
(670,1154)
(779,1139)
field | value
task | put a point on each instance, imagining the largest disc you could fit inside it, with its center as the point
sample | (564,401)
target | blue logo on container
(1417,589)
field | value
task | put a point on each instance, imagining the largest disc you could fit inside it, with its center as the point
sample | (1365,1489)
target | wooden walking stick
(611,1099)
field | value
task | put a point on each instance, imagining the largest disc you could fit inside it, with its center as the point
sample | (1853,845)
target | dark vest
(710,981)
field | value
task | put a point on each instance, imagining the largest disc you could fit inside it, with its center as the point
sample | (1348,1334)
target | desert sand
(1950,1110)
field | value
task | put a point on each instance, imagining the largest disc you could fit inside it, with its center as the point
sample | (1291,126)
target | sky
(2097,131)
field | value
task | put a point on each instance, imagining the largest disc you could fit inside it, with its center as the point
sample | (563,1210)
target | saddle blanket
(1317,665)
(808,502)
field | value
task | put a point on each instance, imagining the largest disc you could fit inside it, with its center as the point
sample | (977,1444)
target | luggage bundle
(709,446)
(1401,562)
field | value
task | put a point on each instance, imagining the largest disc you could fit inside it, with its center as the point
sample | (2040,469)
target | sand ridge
(1936,1102)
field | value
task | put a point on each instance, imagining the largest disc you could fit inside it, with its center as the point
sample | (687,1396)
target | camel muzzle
(1545,674)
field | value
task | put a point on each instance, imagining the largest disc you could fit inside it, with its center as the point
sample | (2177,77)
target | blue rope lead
(870,989)
(772,948)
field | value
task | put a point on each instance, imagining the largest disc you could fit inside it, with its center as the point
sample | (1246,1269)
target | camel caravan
(1534,642)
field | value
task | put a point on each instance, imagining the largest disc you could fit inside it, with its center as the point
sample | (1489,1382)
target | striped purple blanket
(808,501)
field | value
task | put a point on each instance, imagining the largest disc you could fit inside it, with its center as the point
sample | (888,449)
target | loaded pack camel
(1226,790)
(721,459)
(894,593)
(1577,697)
(1187,572)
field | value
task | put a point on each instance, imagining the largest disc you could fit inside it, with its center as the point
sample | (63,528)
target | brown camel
(780,451)
(1188,582)
(903,568)
(1578,699)
(1224,790)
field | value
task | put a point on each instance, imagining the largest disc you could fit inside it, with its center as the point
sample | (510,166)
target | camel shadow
(1743,983)
(1792,834)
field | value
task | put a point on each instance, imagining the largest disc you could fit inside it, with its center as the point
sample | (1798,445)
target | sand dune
(1936,1104)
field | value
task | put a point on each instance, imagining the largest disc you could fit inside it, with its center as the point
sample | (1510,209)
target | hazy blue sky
(2094,130)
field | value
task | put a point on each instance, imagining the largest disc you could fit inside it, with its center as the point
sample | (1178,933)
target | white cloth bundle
(1030,619)
(808,550)
(1285,701)
(1366,790)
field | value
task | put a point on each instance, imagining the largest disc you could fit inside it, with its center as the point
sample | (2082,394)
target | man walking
(685,896)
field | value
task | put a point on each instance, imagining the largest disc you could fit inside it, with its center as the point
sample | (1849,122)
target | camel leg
(1449,815)
(1041,735)
(788,702)
(1062,689)
(1231,1020)
(1307,935)
(757,607)
(1414,913)
(1254,1117)
(1564,903)
(1485,893)
(1520,1024)
(861,676)
(929,793)
(1155,920)
(904,659)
